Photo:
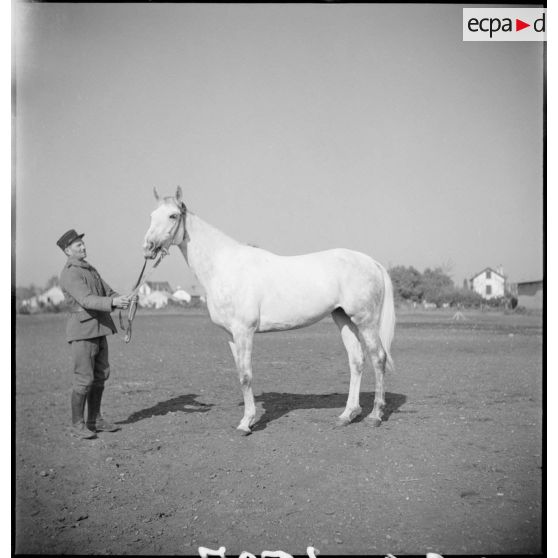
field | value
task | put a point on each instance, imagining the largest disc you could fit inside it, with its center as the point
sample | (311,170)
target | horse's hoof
(243,431)
(374,422)
(342,422)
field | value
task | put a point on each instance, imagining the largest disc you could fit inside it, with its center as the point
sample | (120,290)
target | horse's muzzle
(150,250)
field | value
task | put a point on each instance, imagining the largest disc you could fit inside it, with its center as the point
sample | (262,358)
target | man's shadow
(176,404)
(276,405)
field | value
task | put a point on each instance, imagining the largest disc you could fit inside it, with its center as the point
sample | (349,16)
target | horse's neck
(202,246)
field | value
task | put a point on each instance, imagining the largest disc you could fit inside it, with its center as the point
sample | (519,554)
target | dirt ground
(455,468)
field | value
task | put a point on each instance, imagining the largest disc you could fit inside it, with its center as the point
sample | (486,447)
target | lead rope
(133,305)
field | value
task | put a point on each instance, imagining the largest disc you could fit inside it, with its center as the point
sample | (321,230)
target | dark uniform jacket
(89,299)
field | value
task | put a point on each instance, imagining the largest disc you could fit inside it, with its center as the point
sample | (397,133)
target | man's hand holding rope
(122,302)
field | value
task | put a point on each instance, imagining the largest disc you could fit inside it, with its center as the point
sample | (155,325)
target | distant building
(154,299)
(54,296)
(30,304)
(530,294)
(182,296)
(489,283)
(151,286)
(195,290)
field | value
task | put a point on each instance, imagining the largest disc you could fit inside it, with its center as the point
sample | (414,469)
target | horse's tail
(387,318)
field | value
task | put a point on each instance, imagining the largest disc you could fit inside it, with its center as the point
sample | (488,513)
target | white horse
(251,290)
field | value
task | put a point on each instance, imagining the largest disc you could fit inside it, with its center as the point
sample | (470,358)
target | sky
(294,127)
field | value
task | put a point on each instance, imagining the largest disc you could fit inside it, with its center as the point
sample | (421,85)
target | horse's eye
(174,216)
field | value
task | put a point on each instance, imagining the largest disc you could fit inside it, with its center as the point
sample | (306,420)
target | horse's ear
(178,194)
(156,194)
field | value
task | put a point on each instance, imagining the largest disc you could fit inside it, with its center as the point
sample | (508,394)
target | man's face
(77,250)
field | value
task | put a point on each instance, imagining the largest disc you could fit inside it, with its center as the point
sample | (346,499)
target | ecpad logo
(504,24)
(493,25)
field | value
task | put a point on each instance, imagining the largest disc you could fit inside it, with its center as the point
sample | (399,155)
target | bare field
(455,468)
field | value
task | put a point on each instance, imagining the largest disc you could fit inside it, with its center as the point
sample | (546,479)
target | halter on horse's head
(168,225)
(164,230)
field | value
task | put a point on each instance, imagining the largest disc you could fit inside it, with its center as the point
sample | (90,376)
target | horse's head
(168,224)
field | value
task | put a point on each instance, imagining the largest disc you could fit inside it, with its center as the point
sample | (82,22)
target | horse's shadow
(177,404)
(276,405)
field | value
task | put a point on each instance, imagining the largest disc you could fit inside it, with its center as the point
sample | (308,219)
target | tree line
(434,286)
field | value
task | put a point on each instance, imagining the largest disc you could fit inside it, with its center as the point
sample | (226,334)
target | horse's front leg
(241,348)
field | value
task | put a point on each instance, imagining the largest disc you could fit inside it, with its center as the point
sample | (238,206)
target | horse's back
(295,291)
(331,270)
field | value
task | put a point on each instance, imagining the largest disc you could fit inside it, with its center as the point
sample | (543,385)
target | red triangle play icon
(519,25)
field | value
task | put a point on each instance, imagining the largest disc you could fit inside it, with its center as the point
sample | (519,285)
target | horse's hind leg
(241,348)
(349,334)
(378,357)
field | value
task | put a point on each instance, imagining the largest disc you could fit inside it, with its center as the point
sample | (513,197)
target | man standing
(90,301)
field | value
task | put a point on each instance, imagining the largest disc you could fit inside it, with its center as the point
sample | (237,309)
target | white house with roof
(155,299)
(152,286)
(54,296)
(154,294)
(489,283)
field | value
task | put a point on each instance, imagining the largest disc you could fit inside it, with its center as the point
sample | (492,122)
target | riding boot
(78,428)
(95,421)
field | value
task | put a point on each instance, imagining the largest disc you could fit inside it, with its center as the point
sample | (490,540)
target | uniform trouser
(90,362)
